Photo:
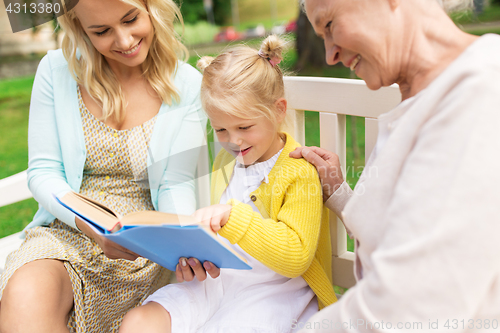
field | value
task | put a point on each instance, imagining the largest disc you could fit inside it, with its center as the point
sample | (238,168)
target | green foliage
(489,14)
(198,33)
(193,11)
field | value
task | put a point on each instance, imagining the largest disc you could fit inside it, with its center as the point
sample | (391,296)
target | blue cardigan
(57,148)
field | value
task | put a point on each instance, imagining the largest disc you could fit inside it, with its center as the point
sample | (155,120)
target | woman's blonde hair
(92,71)
(242,82)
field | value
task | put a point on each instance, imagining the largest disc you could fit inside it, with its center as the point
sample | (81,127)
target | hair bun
(204,62)
(272,47)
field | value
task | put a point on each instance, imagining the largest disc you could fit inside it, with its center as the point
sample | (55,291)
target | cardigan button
(253,198)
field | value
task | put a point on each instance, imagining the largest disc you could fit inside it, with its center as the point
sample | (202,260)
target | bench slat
(14,189)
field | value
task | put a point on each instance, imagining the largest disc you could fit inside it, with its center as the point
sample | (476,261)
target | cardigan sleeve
(337,201)
(287,245)
(177,188)
(46,173)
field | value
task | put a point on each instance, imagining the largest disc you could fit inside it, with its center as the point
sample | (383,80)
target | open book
(160,237)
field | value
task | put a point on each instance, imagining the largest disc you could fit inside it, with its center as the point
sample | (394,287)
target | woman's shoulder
(186,75)
(54,59)
(481,58)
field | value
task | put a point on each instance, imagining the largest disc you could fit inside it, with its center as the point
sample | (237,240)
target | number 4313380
(33,8)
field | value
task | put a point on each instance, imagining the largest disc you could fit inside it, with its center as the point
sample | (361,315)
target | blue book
(160,237)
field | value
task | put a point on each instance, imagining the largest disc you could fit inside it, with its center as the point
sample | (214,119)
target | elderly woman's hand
(327,164)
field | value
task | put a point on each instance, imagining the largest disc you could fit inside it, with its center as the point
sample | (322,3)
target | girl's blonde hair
(92,71)
(243,83)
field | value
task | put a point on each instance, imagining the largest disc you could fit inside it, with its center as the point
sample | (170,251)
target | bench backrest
(333,99)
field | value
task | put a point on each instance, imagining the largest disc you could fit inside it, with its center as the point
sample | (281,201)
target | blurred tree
(310,48)
(193,11)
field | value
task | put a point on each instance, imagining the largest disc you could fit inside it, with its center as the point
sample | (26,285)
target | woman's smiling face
(359,34)
(119,31)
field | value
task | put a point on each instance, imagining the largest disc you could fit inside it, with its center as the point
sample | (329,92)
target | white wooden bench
(333,99)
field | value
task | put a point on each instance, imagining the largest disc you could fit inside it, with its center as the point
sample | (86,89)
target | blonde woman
(106,113)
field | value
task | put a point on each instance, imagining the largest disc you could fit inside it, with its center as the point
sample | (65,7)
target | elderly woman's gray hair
(448,5)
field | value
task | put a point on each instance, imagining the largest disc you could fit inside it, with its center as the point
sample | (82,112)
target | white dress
(258,300)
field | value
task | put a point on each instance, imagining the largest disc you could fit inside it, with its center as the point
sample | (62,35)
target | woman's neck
(433,46)
(125,73)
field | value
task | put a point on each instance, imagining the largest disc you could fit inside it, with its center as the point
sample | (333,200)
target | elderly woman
(425,225)
(107,112)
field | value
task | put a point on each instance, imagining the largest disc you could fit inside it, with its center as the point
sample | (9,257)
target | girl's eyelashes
(223,129)
(100,33)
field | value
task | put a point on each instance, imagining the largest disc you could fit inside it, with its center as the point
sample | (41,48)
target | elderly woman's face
(120,32)
(356,33)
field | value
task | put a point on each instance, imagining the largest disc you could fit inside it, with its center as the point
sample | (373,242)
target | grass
(482,31)
(14,105)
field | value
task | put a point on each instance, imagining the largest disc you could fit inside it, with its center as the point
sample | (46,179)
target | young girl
(268,207)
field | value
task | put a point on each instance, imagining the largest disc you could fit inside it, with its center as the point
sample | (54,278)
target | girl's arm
(287,245)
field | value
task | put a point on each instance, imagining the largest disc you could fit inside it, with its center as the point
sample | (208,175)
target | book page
(92,210)
(157,218)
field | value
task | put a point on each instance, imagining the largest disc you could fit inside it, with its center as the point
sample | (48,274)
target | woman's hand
(110,249)
(188,269)
(215,216)
(327,164)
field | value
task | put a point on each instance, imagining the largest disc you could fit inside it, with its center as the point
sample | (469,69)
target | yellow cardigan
(291,235)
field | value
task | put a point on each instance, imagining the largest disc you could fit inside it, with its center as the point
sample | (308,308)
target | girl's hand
(215,216)
(110,249)
(188,269)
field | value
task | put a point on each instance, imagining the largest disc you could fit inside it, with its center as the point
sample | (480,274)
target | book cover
(159,237)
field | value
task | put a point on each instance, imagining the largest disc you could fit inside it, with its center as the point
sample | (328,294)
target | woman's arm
(46,173)
(177,187)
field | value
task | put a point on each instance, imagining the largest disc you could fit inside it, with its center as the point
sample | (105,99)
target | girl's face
(362,34)
(250,140)
(120,32)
